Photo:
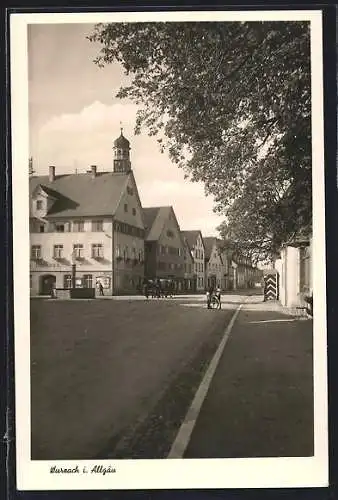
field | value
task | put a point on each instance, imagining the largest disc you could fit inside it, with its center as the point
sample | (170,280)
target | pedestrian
(158,288)
(218,295)
(146,290)
(101,288)
(210,293)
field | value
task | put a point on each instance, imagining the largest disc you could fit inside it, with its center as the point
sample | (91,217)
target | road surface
(117,379)
(100,368)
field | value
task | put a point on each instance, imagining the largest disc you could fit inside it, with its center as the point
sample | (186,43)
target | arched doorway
(47,283)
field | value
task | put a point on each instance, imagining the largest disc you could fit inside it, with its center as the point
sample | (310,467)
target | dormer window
(39,204)
(60,228)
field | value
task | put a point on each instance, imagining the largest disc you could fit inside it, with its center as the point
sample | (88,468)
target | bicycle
(214,303)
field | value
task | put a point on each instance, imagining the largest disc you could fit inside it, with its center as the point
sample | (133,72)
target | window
(60,228)
(97,251)
(118,251)
(58,251)
(67,281)
(97,225)
(130,190)
(39,205)
(36,252)
(41,228)
(88,281)
(170,234)
(126,207)
(78,226)
(78,251)
(134,211)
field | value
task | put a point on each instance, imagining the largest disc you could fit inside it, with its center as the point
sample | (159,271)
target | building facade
(164,245)
(189,274)
(245,274)
(195,241)
(87,229)
(216,264)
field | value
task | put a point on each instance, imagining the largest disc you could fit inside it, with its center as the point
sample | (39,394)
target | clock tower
(121,155)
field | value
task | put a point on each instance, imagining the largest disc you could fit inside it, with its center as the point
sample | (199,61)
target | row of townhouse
(90,228)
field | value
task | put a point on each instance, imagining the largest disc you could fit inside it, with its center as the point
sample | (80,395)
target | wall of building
(170,251)
(199,271)
(215,270)
(295,270)
(150,252)
(129,255)
(49,265)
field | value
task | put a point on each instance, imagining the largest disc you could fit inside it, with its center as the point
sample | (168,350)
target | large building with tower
(87,228)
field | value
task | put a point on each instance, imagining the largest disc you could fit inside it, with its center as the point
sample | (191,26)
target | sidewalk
(260,401)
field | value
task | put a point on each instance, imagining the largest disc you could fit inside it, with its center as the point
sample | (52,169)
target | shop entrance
(47,283)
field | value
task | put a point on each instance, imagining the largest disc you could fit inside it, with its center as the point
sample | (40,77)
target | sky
(74,119)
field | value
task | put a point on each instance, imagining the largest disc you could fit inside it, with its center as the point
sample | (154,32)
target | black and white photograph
(169,250)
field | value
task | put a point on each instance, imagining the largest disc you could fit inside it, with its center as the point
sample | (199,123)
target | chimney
(93,171)
(51,174)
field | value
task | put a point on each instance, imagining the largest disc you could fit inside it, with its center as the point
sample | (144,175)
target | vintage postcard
(169,250)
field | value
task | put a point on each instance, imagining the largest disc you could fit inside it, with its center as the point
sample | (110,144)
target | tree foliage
(230,102)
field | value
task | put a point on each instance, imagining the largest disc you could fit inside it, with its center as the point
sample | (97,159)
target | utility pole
(73,269)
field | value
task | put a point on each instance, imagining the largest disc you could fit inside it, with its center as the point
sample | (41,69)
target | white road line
(183,436)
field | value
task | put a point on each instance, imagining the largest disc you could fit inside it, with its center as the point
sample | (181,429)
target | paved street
(260,402)
(116,378)
(100,367)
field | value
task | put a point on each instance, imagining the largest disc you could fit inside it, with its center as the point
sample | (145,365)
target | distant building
(164,245)
(189,275)
(195,242)
(246,273)
(216,263)
(93,220)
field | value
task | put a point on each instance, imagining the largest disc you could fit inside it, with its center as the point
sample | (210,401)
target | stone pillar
(292,277)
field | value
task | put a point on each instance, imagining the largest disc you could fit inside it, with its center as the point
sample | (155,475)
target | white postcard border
(161,474)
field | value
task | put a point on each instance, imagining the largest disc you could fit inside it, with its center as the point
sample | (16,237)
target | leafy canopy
(230,102)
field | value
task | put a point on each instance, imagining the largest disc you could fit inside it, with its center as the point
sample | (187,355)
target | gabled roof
(187,247)
(80,194)
(154,219)
(149,216)
(50,192)
(209,243)
(192,236)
